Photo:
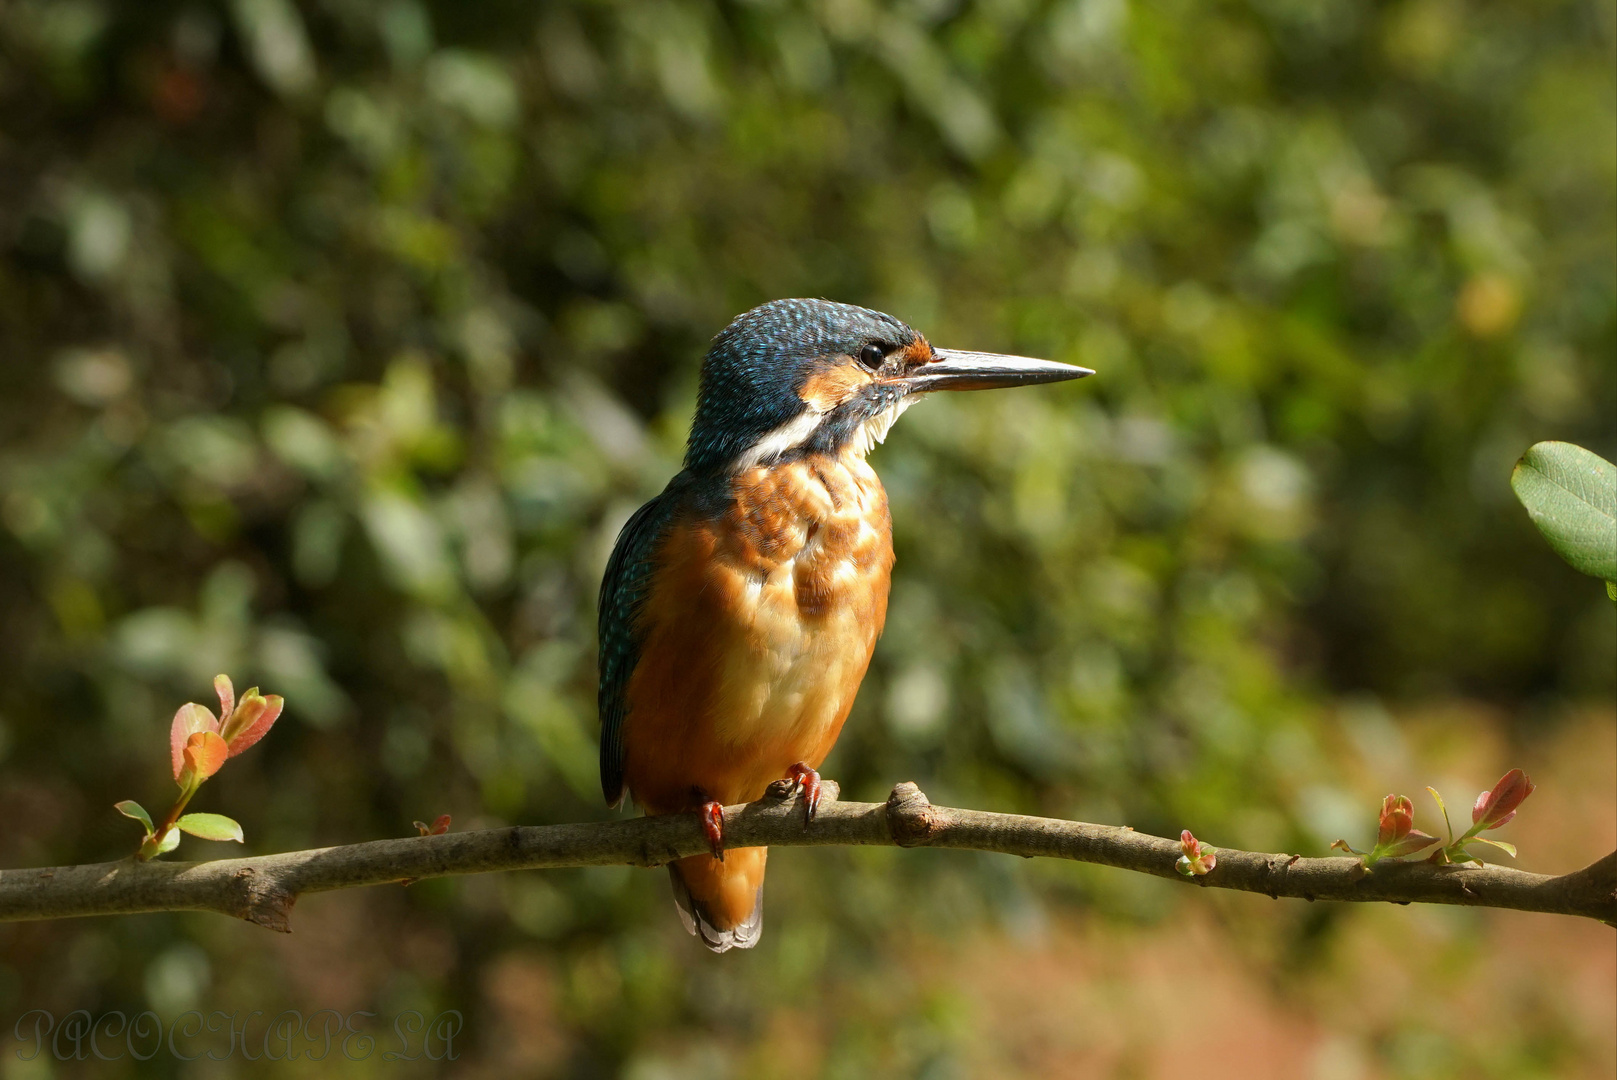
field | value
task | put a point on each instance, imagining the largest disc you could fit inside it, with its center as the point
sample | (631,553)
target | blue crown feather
(755,368)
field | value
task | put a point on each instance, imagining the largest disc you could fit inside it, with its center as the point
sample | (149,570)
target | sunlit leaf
(1571,495)
(1443,807)
(170,842)
(188,721)
(205,753)
(211,827)
(227,695)
(129,808)
(258,724)
(1503,845)
(1413,841)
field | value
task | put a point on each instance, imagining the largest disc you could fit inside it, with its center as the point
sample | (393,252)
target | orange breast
(757,633)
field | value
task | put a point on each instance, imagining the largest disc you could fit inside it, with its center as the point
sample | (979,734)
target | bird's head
(799,376)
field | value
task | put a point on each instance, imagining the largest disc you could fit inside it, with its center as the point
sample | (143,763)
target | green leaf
(1413,841)
(1611,589)
(1503,845)
(129,808)
(170,842)
(1571,495)
(211,827)
(1443,807)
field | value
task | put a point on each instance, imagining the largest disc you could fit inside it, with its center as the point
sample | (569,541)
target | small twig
(263,889)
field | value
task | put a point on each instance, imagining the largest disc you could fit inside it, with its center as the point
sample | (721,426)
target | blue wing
(623,591)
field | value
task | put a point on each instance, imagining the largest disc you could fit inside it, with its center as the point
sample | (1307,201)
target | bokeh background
(340,337)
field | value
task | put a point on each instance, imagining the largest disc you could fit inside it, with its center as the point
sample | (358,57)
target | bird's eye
(871,356)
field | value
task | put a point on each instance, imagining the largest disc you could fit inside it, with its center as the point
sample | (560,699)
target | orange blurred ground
(1195,995)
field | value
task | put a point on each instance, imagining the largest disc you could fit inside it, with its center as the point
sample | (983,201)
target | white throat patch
(798,430)
(790,435)
(875,429)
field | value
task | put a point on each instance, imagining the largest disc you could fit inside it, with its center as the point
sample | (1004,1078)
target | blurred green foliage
(341,337)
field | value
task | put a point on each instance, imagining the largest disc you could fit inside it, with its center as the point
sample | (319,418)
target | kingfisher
(740,607)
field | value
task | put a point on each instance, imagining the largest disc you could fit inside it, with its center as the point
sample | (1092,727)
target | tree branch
(263,889)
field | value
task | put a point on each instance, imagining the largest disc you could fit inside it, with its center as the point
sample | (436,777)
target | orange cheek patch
(916,353)
(825,390)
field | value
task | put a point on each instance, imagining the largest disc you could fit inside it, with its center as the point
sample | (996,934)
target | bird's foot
(712,815)
(801,776)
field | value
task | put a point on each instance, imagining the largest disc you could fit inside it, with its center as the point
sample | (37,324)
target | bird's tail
(722,902)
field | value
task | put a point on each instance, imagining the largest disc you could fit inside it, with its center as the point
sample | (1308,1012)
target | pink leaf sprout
(243,722)
(1197,859)
(1495,808)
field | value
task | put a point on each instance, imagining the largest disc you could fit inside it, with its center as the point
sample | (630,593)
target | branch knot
(911,818)
(259,898)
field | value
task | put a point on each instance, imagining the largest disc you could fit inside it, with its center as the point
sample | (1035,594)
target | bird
(740,608)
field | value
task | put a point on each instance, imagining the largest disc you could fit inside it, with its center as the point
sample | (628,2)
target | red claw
(713,826)
(802,776)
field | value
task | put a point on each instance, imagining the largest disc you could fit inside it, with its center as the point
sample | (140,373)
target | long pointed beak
(955,370)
